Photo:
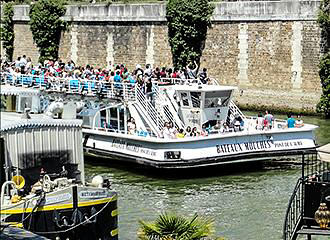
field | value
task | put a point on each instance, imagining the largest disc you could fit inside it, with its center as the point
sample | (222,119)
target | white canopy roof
(13,90)
(13,121)
(324,152)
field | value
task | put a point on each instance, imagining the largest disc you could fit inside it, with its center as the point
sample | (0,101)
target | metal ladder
(153,118)
(166,109)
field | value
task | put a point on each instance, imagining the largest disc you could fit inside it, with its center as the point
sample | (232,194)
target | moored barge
(43,188)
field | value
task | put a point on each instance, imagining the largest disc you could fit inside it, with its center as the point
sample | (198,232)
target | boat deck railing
(306,197)
(113,90)
(294,213)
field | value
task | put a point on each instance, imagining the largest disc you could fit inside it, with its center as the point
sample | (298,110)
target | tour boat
(185,106)
(43,188)
(228,136)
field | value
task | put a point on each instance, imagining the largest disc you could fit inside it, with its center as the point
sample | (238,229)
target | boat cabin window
(8,103)
(185,99)
(113,119)
(103,119)
(217,99)
(196,99)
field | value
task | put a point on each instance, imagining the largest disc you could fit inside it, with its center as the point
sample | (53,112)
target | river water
(248,204)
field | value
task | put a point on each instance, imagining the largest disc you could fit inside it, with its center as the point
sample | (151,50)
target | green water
(249,205)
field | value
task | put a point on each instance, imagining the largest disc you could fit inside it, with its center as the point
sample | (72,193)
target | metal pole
(125,119)
(303,166)
(118,119)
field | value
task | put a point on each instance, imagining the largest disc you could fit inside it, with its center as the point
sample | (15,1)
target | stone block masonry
(23,42)
(269,50)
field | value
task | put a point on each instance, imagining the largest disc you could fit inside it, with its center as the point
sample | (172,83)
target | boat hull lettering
(258,146)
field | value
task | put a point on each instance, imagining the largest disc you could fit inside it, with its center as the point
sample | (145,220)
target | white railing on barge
(124,91)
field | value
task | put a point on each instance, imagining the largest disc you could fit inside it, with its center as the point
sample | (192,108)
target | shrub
(7,30)
(173,227)
(188,21)
(46,26)
(324,72)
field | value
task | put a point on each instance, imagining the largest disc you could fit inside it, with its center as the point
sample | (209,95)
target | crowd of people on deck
(119,73)
(263,122)
(170,131)
(266,122)
(53,70)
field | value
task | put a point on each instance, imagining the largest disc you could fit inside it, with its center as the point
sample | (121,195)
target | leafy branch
(46,26)
(7,30)
(324,72)
(188,21)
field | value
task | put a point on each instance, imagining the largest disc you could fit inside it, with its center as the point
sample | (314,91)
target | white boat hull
(190,152)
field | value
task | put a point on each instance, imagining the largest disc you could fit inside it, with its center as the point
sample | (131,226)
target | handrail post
(124,91)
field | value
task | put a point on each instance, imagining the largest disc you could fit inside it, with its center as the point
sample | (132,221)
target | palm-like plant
(172,227)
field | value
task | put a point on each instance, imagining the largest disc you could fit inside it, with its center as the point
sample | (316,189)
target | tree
(46,26)
(172,227)
(324,72)
(188,21)
(7,30)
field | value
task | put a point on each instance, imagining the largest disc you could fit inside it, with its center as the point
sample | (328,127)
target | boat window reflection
(196,99)
(217,99)
(185,99)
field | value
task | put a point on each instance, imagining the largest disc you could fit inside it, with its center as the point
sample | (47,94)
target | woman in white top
(260,122)
(166,131)
(172,130)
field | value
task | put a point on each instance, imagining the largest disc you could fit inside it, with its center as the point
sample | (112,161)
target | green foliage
(46,26)
(324,72)
(188,21)
(172,227)
(18,1)
(7,30)
(324,21)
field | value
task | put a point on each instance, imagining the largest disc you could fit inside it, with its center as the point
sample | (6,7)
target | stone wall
(134,43)
(269,50)
(23,42)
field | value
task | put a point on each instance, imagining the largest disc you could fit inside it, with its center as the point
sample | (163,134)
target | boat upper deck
(202,87)
(230,126)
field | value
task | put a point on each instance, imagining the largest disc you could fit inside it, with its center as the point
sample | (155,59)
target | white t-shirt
(23,62)
(172,131)
(148,72)
(166,132)
(260,122)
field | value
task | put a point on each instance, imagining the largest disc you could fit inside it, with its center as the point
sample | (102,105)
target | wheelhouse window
(185,99)
(217,99)
(196,99)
